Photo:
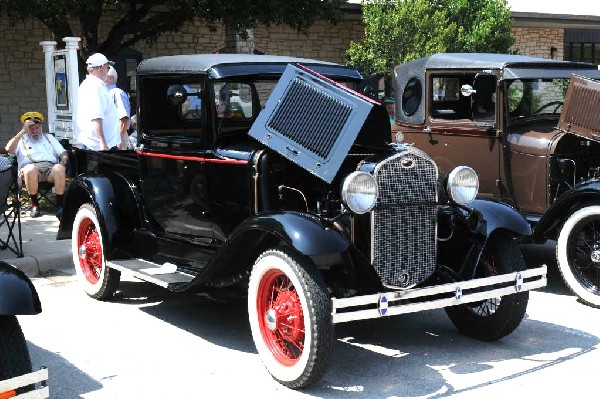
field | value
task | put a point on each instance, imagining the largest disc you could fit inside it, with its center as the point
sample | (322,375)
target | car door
(460,126)
(172,153)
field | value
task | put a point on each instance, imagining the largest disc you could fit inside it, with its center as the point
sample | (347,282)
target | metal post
(72,44)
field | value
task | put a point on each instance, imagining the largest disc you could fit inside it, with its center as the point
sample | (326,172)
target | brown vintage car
(501,115)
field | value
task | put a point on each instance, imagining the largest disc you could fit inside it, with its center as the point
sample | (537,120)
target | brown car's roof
(512,66)
(494,61)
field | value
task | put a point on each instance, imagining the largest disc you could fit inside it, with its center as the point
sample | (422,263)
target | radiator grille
(404,221)
(580,115)
(310,117)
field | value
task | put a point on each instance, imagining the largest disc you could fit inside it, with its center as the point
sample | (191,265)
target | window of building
(582,45)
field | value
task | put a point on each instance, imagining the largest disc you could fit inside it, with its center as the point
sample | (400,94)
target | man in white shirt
(97,118)
(40,157)
(121,100)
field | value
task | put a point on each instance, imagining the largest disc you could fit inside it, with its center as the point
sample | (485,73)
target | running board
(166,275)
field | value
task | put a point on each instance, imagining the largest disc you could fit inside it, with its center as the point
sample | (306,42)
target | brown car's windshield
(532,98)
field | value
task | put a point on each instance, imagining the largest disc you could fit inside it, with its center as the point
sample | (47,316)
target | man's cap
(112,72)
(389,100)
(32,116)
(97,59)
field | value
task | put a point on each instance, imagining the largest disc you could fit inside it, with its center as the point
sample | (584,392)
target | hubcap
(595,256)
(271,319)
(82,252)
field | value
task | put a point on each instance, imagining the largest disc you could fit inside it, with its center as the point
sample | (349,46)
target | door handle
(427,130)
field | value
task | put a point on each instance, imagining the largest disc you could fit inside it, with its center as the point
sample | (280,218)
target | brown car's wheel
(98,280)
(494,318)
(290,317)
(14,355)
(578,254)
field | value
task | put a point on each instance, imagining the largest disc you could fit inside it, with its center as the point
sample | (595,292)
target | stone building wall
(538,42)
(322,41)
(22,81)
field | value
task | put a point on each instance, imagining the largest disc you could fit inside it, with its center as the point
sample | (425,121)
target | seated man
(40,157)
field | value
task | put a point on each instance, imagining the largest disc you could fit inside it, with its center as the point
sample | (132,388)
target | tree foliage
(149,19)
(397,31)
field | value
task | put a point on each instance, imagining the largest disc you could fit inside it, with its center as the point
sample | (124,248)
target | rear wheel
(14,355)
(493,318)
(578,254)
(98,280)
(290,317)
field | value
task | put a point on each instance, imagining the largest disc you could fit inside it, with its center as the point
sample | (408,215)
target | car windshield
(531,98)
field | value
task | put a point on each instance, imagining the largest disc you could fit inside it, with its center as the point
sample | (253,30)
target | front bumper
(39,380)
(435,297)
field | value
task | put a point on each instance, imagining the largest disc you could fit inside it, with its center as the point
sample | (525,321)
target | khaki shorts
(43,167)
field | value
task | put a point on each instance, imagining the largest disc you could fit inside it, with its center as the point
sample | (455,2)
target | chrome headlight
(462,185)
(359,192)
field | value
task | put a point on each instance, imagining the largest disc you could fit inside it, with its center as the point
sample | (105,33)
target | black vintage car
(17,297)
(272,174)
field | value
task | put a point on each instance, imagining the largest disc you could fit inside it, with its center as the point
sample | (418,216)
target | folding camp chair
(10,208)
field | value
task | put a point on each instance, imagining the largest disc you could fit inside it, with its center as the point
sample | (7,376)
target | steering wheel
(556,104)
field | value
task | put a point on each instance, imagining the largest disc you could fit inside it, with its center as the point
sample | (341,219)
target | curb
(34,267)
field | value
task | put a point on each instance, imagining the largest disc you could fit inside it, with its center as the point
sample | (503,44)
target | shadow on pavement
(415,355)
(64,379)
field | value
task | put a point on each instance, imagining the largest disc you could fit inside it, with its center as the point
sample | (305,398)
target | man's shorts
(43,167)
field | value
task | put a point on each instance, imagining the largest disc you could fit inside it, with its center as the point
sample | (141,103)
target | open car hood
(314,121)
(581,110)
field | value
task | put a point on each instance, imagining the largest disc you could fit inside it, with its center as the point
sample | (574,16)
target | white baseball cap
(112,72)
(97,59)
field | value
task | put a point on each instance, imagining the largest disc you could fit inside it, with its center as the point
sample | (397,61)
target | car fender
(307,234)
(549,224)
(498,215)
(310,236)
(113,198)
(18,295)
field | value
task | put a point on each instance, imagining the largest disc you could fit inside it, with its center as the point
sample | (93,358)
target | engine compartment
(575,160)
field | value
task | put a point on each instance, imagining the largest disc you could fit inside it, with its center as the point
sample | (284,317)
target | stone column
(234,43)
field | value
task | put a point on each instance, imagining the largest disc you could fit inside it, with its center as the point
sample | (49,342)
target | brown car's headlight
(359,192)
(462,185)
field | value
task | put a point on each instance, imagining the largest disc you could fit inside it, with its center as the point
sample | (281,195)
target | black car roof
(220,66)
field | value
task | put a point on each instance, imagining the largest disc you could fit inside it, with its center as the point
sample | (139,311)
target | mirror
(176,94)
(467,90)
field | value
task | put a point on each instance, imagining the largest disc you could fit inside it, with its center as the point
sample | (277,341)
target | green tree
(398,31)
(147,20)
(483,26)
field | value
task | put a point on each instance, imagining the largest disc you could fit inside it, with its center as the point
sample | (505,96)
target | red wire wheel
(89,250)
(289,310)
(98,280)
(282,324)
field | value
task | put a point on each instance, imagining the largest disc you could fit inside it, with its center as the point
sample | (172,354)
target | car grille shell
(404,220)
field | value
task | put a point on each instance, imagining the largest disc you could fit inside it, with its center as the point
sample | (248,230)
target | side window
(446,100)
(484,100)
(233,100)
(411,96)
(170,106)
